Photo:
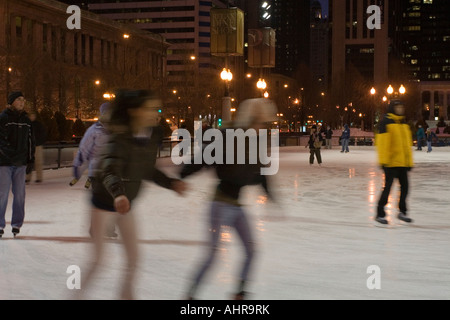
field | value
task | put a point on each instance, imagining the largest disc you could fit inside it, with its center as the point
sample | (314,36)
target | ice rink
(320,242)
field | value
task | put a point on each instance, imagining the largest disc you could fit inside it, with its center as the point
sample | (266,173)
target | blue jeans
(429,146)
(12,178)
(224,214)
(345,144)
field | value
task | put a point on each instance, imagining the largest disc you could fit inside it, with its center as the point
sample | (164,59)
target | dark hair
(123,101)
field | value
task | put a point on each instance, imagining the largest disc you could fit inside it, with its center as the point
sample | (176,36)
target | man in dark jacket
(16,158)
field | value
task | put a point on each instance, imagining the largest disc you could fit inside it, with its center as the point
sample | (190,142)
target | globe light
(402,90)
(372,91)
(261,84)
(390,90)
(226,75)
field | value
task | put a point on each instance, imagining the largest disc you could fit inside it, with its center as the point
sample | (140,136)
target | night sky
(324,4)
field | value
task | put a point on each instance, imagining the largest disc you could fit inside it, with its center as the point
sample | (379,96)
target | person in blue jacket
(430,136)
(345,138)
(420,137)
(94,138)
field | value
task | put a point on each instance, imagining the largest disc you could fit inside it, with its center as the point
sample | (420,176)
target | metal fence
(61,155)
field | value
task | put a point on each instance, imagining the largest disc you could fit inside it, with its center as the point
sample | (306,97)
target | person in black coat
(315,143)
(328,137)
(226,209)
(40,136)
(16,158)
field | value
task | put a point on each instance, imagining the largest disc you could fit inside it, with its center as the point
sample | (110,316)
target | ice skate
(403,217)
(381,220)
(1,233)
(73,182)
(15,231)
(87,185)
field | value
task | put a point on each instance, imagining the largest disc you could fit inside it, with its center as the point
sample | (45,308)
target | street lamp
(402,89)
(226,76)
(390,90)
(261,84)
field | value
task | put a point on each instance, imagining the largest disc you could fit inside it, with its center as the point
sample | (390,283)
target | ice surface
(317,244)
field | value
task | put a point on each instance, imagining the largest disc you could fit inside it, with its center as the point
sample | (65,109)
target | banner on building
(261,48)
(227,32)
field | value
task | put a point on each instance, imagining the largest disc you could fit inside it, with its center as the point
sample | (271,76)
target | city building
(70,69)
(291,20)
(319,46)
(422,42)
(185,24)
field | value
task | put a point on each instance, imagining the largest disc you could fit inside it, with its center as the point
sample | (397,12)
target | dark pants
(318,156)
(401,174)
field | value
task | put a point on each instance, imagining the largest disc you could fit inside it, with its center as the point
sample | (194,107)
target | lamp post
(226,76)
(261,85)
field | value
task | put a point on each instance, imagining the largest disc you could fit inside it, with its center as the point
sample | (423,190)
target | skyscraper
(319,46)
(353,43)
(422,42)
(291,20)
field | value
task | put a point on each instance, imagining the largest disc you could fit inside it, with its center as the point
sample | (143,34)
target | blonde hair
(251,109)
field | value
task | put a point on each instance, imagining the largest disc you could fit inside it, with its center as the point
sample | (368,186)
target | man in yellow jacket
(394,146)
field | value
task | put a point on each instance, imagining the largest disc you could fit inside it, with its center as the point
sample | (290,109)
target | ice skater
(94,139)
(315,143)
(394,144)
(16,159)
(430,137)
(89,148)
(420,137)
(225,208)
(345,139)
(128,158)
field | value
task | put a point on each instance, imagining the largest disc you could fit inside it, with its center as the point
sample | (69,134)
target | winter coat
(345,132)
(124,162)
(312,138)
(232,177)
(394,142)
(93,141)
(430,136)
(329,134)
(420,134)
(16,139)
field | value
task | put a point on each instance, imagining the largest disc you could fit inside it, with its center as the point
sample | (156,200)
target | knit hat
(13,96)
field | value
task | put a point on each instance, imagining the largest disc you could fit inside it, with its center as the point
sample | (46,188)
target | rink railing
(61,155)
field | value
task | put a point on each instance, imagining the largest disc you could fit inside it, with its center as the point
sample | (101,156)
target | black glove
(29,168)
(409,168)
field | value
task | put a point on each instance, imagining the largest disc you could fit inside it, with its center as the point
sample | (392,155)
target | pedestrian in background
(420,137)
(328,137)
(16,159)
(315,143)
(40,136)
(345,139)
(430,135)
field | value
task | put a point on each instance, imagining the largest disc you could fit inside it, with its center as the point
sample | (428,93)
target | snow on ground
(318,243)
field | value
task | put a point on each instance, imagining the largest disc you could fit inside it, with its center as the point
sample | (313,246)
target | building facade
(70,69)
(422,42)
(185,24)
